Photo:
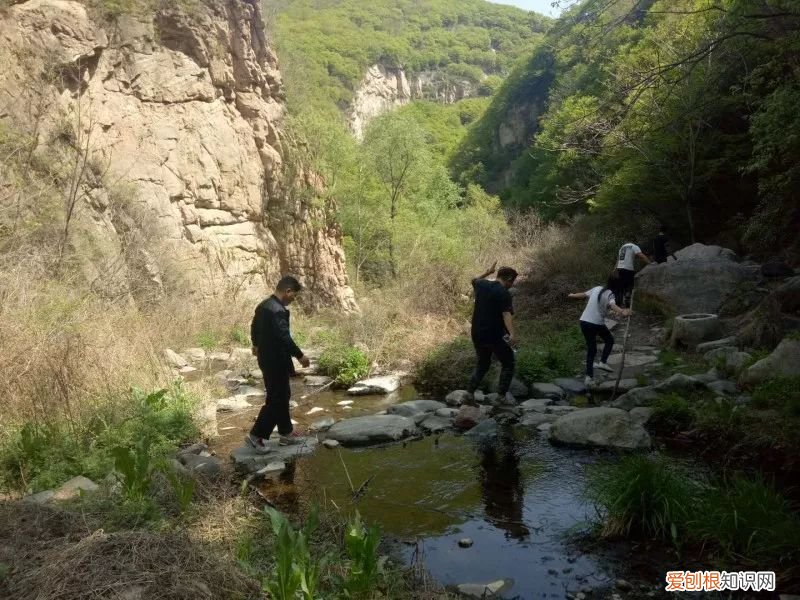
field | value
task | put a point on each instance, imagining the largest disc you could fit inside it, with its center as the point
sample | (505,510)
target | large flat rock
(600,426)
(414,408)
(247,460)
(376,429)
(375,385)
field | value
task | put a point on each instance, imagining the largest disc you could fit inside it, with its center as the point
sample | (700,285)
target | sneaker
(258,444)
(509,399)
(588,381)
(603,367)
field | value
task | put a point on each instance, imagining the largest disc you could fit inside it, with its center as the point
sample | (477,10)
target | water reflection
(502,487)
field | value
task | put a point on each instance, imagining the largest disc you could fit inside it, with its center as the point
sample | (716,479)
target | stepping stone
(377,429)
(632,359)
(547,390)
(458,397)
(344,403)
(323,424)
(414,408)
(538,405)
(434,424)
(534,419)
(274,467)
(446,413)
(233,403)
(571,385)
(247,460)
(330,443)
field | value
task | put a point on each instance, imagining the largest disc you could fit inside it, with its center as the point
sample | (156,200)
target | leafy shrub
(781,393)
(208,340)
(361,543)
(643,497)
(671,413)
(345,364)
(448,368)
(748,518)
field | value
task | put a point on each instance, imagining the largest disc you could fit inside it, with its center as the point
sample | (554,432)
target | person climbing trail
(274,347)
(493,328)
(593,323)
(626,268)
(661,247)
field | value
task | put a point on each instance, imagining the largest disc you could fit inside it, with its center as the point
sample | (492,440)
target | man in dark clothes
(493,328)
(661,247)
(274,347)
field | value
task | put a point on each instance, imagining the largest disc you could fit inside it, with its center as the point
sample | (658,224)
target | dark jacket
(270,334)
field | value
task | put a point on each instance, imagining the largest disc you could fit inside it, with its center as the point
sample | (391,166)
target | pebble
(315,410)
(345,403)
(330,443)
(465,542)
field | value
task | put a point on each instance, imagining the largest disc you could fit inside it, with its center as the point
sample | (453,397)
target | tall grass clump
(643,497)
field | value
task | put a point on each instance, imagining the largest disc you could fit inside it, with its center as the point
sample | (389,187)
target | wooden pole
(624,349)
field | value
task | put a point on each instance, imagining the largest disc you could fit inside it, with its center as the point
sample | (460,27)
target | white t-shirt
(595,311)
(626,255)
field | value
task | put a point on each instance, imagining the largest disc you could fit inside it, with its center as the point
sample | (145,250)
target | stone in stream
(378,429)
(484,430)
(713,345)
(641,414)
(571,385)
(641,396)
(75,487)
(174,359)
(204,465)
(315,410)
(375,385)
(493,589)
(247,460)
(547,390)
(414,408)
(783,362)
(468,417)
(446,413)
(537,404)
(233,403)
(330,444)
(465,543)
(344,403)
(434,424)
(518,389)
(458,397)
(316,380)
(534,419)
(277,466)
(600,426)
(625,385)
(323,424)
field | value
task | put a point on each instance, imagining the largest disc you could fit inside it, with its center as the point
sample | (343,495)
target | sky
(540,6)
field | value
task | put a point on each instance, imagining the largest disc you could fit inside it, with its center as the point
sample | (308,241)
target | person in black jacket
(493,328)
(274,347)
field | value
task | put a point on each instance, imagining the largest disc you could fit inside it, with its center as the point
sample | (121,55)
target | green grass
(671,413)
(38,456)
(782,394)
(643,497)
(345,364)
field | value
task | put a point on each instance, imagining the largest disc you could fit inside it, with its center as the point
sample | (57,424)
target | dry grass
(54,556)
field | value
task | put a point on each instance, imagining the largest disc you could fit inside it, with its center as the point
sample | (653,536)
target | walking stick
(624,350)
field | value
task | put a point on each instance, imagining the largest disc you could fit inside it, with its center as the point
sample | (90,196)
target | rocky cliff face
(181,114)
(386,88)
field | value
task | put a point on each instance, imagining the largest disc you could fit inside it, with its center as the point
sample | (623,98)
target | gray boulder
(641,414)
(534,419)
(209,466)
(446,413)
(783,362)
(247,460)
(710,272)
(434,424)
(536,405)
(518,389)
(547,390)
(458,397)
(642,396)
(571,385)
(323,424)
(484,430)
(601,426)
(414,408)
(377,429)
(468,417)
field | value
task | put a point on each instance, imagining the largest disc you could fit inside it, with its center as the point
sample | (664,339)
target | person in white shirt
(593,323)
(626,267)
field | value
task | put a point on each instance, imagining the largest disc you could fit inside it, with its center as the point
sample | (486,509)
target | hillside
(426,49)
(677,111)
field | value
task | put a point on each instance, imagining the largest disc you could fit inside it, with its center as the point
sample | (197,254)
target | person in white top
(626,267)
(593,323)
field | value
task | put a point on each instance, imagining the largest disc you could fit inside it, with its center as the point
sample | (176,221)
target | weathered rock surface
(375,385)
(571,385)
(534,419)
(710,272)
(186,109)
(641,396)
(783,362)
(601,426)
(547,390)
(536,404)
(458,397)
(468,417)
(209,466)
(641,414)
(434,424)
(414,408)
(364,431)
(247,460)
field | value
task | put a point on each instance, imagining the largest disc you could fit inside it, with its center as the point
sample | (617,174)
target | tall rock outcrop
(181,114)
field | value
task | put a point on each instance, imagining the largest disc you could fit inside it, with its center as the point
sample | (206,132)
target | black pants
(624,289)
(275,411)
(590,331)
(504,354)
